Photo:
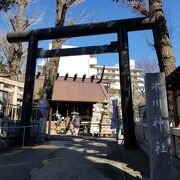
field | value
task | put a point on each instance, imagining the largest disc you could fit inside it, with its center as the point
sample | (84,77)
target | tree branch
(69,3)
(139,7)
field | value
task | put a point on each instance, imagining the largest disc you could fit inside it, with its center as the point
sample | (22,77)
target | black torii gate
(120,27)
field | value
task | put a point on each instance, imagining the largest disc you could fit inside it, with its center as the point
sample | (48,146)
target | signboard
(158,126)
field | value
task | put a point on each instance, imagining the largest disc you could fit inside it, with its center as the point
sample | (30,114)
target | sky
(106,10)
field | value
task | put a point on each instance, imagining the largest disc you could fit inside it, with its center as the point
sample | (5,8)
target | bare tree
(162,43)
(138,91)
(62,7)
(147,65)
(138,86)
(18,18)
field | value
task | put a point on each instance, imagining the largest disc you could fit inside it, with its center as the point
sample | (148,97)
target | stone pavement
(68,157)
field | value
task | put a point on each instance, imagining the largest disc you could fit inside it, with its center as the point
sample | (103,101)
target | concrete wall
(143,141)
(80,64)
(142,135)
(77,64)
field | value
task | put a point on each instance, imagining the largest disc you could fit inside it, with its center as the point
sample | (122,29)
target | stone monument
(158,126)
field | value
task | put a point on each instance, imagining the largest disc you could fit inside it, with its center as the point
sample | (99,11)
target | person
(58,118)
(76,123)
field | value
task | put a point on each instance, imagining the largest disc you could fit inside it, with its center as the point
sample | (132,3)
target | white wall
(77,64)
(132,64)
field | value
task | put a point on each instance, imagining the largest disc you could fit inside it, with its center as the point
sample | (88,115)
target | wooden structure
(75,95)
(173,86)
(14,87)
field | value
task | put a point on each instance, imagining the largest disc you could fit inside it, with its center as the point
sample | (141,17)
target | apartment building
(112,82)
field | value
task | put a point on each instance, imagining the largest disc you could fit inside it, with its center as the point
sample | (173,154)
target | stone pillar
(158,126)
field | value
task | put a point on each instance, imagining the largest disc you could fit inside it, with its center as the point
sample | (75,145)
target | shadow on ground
(95,158)
(133,160)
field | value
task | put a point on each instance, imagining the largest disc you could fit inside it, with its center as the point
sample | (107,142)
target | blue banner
(114,120)
(42,107)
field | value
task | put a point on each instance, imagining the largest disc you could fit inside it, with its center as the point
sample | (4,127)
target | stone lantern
(96,118)
(105,124)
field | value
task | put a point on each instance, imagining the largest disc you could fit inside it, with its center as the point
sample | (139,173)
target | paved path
(71,158)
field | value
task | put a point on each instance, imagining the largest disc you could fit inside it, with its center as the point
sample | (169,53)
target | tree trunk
(16,48)
(162,44)
(162,41)
(53,63)
(14,62)
(51,72)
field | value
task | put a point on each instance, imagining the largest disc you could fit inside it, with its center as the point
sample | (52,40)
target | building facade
(87,65)
(111,79)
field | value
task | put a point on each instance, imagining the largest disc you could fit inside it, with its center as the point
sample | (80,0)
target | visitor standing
(76,123)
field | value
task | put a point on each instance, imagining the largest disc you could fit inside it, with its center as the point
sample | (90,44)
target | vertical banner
(114,120)
(43,107)
(158,126)
(43,112)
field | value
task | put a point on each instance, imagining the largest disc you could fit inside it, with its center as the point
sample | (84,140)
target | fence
(15,135)
(14,112)
(11,132)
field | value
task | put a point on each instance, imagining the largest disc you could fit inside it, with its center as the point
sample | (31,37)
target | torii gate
(120,27)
